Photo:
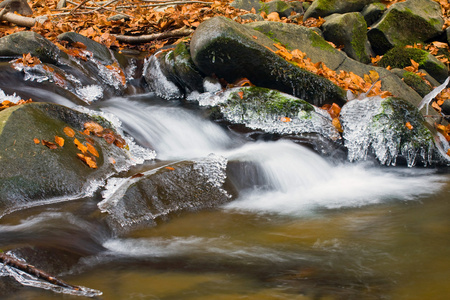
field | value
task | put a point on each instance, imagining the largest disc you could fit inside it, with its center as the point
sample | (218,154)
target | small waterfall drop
(173,132)
(298,181)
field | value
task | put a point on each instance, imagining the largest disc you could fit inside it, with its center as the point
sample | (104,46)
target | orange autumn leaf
(337,124)
(170,168)
(241,94)
(59,140)
(409,126)
(92,150)
(87,160)
(80,146)
(94,127)
(49,144)
(69,131)
(36,141)
(285,119)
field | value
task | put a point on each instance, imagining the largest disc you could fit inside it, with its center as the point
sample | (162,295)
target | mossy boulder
(231,51)
(373,12)
(348,30)
(406,23)
(391,130)
(31,172)
(323,8)
(318,50)
(414,81)
(160,194)
(99,51)
(272,112)
(186,72)
(400,57)
(281,7)
(24,42)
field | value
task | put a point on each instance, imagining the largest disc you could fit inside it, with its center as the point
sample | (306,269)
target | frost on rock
(90,93)
(387,128)
(13,98)
(159,193)
(157,80)
(271,111)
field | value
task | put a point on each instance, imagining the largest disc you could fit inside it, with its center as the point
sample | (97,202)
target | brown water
(394,250)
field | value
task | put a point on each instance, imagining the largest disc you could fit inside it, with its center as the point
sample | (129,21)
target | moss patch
(400,57)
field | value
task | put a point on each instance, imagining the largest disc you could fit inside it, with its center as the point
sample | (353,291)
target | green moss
(417,83)
(325,5)
(359,39)
(400,57)
(319,42)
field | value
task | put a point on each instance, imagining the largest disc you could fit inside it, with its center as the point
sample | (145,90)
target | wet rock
(99,51)
(406,23)
(318,50)
(323,8)
(272,112)
(24,42)
(391,130)
(232,51)
(373,12)
(400,57)
(31,171)
(186,72)
(348,30)
(160,194)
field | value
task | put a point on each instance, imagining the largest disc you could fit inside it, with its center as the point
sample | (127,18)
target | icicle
(430,96)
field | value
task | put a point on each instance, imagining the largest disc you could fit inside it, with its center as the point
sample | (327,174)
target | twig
(32,270)
(151,37)
(78,6)
(164,3)
(106,4)
(3,12)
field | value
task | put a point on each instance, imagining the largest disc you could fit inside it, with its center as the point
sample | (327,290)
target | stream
(303,226)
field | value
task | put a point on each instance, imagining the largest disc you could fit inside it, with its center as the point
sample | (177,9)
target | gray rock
(253,17)
(247,4)
(373,12)
(19,6)
(32,172)
(414,81)
(348,30)
(231,51)
(162,193)
(25,42)
(282,8)
(406,23)
(318,50)
(323,8)
(377,127)
(100,52)
(186,72)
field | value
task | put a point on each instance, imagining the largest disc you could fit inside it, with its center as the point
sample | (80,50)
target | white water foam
(301,181)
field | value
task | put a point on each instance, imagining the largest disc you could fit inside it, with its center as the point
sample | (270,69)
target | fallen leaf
(137,175)
(92,149)
(409,126)
(87,160)
(59,140)
(337,124)
(241,94)
(36,141)
(80,146)
(169,168)
(94,127)
(49,144)
(285,119)
(69,131)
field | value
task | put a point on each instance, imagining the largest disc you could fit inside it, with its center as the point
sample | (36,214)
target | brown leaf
(94,127)
(49,144)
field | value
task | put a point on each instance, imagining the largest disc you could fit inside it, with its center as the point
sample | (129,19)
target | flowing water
(303,227)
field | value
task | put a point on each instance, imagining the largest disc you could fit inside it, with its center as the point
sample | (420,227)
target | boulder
(162,193)
(323,8)
(32,169)
(24,42)
(253,17)
(414,81)
(391,130)
(282,8)
(400,57)
(186,72)
(232,51)
(17,6)
(99,51)
(318,50)
(271,112)
(373,12)
(247,4)
(348,30)
(406,23)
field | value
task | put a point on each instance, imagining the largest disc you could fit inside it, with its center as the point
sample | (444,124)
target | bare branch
(21,20)
(151,37)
